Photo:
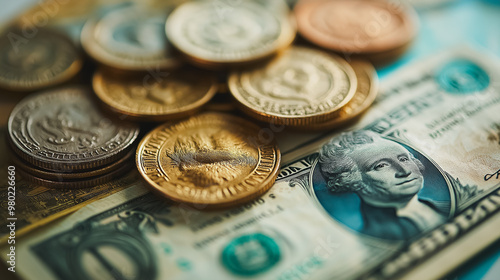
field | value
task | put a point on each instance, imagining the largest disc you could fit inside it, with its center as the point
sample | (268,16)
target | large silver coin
(62,130)
(239,32)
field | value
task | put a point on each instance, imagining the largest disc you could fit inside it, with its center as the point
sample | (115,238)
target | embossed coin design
(212,160)
(62,130)
(356,26)
(300,87)
(130,38)
(46,59)
(245,32)
(366,93)
(148,99)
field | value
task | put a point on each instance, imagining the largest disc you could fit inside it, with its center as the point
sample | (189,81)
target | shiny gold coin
(165,96)
(213,160)
(130,38)
(363,98)
(45,59)
(300,87)
(245,32)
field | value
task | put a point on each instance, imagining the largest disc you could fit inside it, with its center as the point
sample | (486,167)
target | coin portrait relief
(379,187)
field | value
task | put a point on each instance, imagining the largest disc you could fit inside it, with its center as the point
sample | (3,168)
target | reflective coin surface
(366,93)
(62,130)
(213,160)
(238,32)
(356,26)
(130,38)
(300,87)
(45,59)
(155,98)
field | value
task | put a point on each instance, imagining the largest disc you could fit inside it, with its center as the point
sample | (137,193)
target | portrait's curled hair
(337,166)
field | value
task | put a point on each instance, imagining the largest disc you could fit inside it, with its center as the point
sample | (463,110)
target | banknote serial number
(11,219)
(495,175)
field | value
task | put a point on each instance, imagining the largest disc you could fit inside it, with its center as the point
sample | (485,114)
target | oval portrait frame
(344,208)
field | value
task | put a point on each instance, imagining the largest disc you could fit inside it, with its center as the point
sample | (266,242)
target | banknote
(417,177)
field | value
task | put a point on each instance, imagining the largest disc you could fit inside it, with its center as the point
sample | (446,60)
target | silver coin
(130,38)
(228,32)
(62,130)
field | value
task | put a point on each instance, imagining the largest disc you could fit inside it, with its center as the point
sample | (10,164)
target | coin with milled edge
(300,87)
(27,64)
(63,130)
(366,93)
(130,38)
(238,33)
(63,176)
(147,98)
(356,26)
(212,160)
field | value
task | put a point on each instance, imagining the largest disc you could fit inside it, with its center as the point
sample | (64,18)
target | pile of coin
(60,139)
(184,65)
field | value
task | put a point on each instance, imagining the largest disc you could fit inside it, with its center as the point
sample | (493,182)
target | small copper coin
(356,26)
(365,95)
(160,97)
(45,59)
(212,159)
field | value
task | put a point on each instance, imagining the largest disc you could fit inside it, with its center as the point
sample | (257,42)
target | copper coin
(356,26)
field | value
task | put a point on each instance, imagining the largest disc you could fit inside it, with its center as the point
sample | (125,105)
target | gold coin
(243,32)
(365,95)
(28,64)
(300,87)
(130,38)
(213,160)
(160,97)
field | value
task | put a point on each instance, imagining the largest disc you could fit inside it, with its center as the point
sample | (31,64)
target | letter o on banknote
(251,254)
(462,77)
(379,187)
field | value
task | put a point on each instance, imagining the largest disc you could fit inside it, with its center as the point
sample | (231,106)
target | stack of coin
(43,59)
(61,140)
(378,30)
(212,160)
(228,35)
(305,88)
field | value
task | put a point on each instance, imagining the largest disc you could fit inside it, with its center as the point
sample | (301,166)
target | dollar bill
(416,178)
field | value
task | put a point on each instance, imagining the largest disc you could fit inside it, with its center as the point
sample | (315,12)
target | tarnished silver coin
(300,87)
(62,130)
(208,32)
(44,59)
(130,38)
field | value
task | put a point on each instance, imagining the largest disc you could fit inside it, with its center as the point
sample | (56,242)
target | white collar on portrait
(422,215)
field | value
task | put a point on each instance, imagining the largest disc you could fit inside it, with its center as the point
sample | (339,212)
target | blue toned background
(459,22)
